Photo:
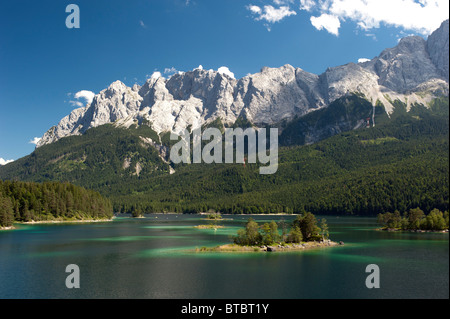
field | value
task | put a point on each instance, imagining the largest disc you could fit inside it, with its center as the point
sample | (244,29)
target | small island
(209,226)
(304,233)
(213,218)
(414,220)
(212,215)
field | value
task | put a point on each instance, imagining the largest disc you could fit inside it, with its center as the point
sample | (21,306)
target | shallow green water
(154,258)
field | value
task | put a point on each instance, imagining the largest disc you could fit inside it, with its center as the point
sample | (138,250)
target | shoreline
(7,228)
(48,222)
(413,230)
(66,221)
(233,248)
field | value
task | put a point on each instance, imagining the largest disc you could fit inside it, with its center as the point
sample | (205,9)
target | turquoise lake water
(153,258)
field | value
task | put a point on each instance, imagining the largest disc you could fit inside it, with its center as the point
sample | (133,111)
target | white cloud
(420,16)
(307,4)
(35,140)
(271,14)
(4,162)
(200,67)
(76,103)
(171,70)
(225,70)
(254,9)
(84,95)
(363,60)
(327,22)
(282,2)
(88,96)
(142,24)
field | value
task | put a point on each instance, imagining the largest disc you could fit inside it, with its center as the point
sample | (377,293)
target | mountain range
(415,72)
(329,163)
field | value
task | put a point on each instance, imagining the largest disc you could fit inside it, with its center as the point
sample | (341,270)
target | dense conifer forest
(400,164)
(26,201)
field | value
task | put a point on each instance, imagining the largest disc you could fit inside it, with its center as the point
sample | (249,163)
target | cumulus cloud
(35,140)
(88,96)
(4,162)
(225,70)
(328,22)
(307,4)
(420,16)
(254,9)
(270,14)
(84,95)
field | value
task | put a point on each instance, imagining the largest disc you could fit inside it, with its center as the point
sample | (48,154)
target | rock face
(115,103)
(403,68)
(438,49)
(276,94)
(414,71)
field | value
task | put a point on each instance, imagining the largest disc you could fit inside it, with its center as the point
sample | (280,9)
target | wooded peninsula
(50,201)
(414,220)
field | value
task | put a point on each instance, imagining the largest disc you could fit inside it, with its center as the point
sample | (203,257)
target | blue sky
(43,64)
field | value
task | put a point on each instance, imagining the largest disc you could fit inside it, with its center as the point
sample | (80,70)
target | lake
(154,258)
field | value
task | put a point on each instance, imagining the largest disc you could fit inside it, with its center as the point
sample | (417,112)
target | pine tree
(295,235)
(6,212)
(324,229)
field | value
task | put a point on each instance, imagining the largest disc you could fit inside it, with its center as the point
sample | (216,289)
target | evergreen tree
(6,212)
(26,201)
(324,229)
(295,235)
(252,232)
(270,233)
(415,217)
(308,226)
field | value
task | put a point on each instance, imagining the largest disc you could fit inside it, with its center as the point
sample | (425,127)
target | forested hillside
(26,201)
(401,163)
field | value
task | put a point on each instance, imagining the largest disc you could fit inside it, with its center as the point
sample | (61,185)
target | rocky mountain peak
(414,71)
(438,49)
(409,44)
(405,66)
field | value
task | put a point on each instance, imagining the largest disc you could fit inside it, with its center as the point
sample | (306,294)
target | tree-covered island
(213,219)
(304,232)
(414,220)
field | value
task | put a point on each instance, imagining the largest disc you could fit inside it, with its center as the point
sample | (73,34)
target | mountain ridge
(415,72)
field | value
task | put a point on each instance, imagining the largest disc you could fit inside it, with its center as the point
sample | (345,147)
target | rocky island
(304,234)
(272,248)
